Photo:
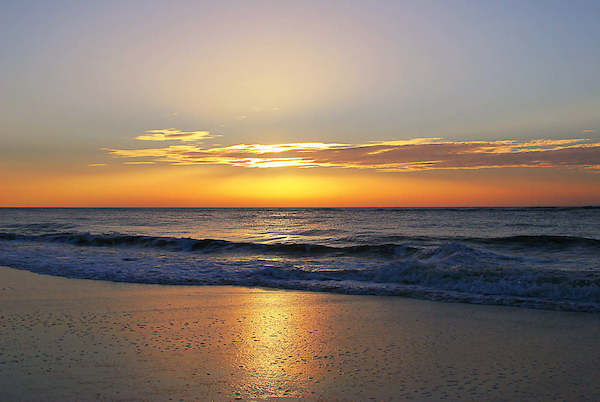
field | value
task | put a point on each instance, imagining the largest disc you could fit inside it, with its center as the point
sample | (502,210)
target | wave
(383,246)
(206,246)
(48,226)
(544,241)
(316,232)
(548,242)
(450,272)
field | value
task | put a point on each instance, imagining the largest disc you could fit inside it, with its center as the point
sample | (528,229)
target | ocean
(528,257)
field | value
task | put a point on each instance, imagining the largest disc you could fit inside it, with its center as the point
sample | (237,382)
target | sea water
(532,257)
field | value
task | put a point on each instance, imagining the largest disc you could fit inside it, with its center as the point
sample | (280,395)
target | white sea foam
(450,272)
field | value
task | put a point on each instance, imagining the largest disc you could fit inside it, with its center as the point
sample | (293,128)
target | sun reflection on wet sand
(275,363)
(67,339)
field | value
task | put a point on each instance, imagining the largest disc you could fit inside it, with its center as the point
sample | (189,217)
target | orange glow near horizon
(162,186)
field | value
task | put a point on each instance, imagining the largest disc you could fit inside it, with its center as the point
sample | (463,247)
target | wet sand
(68,339)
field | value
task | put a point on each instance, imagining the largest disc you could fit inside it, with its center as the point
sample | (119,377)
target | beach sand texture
(68,339)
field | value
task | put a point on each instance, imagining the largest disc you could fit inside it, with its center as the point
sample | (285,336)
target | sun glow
(287,189)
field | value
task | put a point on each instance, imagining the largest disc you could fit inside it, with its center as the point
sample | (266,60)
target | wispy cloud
(390,156)
(171,134)
(589,131)
(96,164)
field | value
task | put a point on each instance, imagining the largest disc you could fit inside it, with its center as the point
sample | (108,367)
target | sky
(312,103)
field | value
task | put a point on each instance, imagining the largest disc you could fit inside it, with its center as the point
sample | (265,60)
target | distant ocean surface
(532,257)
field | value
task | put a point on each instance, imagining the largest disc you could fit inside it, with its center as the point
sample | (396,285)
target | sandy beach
(68,339)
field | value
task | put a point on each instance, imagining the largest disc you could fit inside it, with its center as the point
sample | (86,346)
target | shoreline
(72,339)
(414,292)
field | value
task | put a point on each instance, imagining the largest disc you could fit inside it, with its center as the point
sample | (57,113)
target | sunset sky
(278,103)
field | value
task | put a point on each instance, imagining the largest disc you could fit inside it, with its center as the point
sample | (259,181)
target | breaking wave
(532,271)
(389,245)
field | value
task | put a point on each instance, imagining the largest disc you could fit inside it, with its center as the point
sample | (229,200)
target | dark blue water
(534,257)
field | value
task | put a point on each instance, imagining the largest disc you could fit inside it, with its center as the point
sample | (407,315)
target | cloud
(389,156)
(96,164)
(171,134)
(589,131)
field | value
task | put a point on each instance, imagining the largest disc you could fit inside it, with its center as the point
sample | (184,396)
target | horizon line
(306,207)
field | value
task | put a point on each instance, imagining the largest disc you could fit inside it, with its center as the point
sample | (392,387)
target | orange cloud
(390,156)
(171,134)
